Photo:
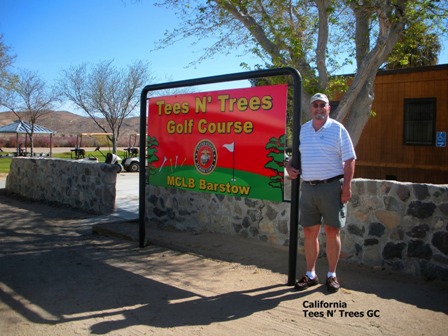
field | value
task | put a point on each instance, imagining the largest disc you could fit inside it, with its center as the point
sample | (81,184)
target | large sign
(224,142)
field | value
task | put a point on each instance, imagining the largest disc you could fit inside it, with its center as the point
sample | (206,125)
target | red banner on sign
(227,142)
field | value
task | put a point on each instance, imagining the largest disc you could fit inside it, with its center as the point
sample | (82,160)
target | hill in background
(68,125)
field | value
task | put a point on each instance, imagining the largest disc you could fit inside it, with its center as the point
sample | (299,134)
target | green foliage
(339,84)
(151,150)
(6,60)
(318,38)
(276,163)
(285,33)
(418,47)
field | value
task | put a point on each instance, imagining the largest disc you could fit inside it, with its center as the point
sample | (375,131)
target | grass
(4,165)
(5,162)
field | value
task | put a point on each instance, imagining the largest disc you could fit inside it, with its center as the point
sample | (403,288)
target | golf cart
(109,157)
(131,162)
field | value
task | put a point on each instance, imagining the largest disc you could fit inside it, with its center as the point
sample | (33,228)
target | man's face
(320,110)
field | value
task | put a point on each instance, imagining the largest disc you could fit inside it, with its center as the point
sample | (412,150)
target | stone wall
(402,226)
(85,185)
(399,226)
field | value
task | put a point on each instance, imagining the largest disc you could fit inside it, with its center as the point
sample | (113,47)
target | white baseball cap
(319,96)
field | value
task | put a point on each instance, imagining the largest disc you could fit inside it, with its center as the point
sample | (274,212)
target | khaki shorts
(321,204)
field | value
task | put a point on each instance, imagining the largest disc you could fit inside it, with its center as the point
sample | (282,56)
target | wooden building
(406,140)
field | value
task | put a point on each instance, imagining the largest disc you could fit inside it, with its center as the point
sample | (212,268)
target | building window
(419,121)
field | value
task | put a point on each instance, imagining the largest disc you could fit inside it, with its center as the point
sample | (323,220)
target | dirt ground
(58,278)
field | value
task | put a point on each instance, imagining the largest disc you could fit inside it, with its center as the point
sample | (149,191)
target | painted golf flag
(224,142)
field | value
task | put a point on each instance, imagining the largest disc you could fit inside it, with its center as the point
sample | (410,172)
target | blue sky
(51,35)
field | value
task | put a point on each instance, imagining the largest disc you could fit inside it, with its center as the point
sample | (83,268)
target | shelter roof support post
(51,144)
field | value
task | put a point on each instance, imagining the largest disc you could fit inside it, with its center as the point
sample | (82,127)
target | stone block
(421,209)
(371,202)
(360,215)
(393,250)
(403,193)
(440,241)
(418,249)
(371,255)
(421,191)
(356,230)
(418,231)
(443,207)
(393,204)
(390,219)
(385,187)
(376,229)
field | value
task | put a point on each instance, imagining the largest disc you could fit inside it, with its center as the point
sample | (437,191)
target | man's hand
(349,171)
(346,193)
(292,172)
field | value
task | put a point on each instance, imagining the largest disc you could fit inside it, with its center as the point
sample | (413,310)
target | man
(328,164)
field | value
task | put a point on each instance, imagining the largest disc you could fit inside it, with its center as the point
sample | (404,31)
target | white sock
(311,275)
(331,274)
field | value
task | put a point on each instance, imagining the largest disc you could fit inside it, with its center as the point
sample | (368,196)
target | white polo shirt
(323,152)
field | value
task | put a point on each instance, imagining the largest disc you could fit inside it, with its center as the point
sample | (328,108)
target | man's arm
(349,171)
(292,172)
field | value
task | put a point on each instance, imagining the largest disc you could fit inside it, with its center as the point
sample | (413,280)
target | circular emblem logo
(205,157)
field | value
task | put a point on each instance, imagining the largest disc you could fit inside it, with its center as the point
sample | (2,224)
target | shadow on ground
(46,251)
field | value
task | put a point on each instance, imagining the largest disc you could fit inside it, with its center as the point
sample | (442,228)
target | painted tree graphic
(276,155)
(151,150)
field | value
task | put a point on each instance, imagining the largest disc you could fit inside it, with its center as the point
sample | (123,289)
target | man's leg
(333,252)
(311,234)
(333,247)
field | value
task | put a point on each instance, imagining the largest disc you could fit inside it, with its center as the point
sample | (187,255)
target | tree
(315,37)
(417,48)
(29,98)
(106,93)
(6,61)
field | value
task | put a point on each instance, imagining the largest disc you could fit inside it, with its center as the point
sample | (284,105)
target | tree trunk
(322,42)
(356,105)
(355,122)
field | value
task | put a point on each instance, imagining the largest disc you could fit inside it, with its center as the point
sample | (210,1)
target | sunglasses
(321,105)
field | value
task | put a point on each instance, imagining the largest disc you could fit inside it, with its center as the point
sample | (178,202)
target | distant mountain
(67,123)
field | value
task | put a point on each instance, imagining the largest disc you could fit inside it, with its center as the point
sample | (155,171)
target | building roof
(22,127)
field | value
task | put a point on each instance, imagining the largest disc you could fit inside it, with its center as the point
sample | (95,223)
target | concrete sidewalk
(126,199)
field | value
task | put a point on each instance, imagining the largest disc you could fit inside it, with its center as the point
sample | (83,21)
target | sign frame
(297,116)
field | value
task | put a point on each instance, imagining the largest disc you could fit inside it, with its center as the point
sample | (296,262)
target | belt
(316,182)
